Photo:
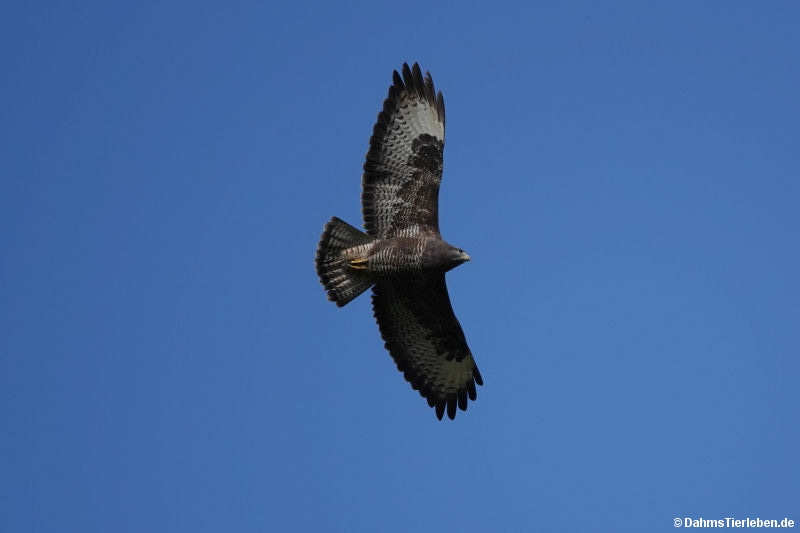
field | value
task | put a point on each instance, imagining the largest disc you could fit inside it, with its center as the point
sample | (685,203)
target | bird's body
(402,256)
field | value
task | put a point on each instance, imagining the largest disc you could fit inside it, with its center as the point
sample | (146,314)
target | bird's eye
(460,251)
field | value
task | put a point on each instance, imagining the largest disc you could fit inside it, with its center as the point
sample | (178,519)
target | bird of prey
(402,255)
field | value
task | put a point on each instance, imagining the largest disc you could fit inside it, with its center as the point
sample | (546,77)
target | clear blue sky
(624,176)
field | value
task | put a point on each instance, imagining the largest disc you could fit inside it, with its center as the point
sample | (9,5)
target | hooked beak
(465,256)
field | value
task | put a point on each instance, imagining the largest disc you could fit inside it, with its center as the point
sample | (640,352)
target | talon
(359,263)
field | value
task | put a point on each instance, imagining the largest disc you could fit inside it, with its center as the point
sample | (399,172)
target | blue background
(625,177)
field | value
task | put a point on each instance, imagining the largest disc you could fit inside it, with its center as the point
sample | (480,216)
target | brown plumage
(402,256)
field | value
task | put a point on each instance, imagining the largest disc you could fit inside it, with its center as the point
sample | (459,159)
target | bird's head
(439,255)
(455,257)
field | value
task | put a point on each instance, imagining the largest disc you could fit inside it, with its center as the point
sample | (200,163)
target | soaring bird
(402,255)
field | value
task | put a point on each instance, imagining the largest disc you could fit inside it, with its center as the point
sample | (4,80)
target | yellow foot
(359,263)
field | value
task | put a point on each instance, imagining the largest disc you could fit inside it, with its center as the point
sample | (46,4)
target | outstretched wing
(426,341)
(400,186)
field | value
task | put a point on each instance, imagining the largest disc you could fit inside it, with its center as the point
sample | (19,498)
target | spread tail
(342,281)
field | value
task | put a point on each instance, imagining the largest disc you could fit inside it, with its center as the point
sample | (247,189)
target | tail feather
(340,281)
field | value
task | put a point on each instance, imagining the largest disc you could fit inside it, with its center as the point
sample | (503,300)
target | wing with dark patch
(400,186)
(426,341)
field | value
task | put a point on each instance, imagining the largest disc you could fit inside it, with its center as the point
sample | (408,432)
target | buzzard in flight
(402,256)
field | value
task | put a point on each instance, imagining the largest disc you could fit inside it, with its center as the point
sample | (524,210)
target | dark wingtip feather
(473,394)
(477,375)
(411,80)
(424,87)
(462,399)
(451,406)
(430,93)
(419,84)
(407,78)
(440,409)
